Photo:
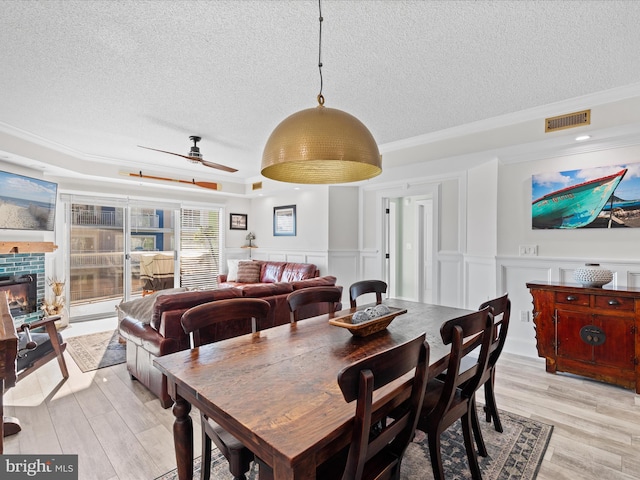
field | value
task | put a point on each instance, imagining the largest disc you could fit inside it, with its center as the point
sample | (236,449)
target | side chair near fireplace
(22,352)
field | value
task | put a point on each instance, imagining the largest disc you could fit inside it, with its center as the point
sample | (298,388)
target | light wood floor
(119,430)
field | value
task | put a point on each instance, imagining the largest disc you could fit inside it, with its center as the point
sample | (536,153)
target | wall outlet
(524,316)
(528,250)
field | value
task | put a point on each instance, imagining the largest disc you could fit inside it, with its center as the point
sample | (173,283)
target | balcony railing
(106,259)
(103,219)
(145,221)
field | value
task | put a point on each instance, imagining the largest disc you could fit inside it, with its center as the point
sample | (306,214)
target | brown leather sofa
(162,333)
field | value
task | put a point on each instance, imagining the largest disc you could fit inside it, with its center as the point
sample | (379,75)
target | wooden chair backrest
(367,286)
(243,312)
(306,296)
(501,309)
(465,334)
(359,380)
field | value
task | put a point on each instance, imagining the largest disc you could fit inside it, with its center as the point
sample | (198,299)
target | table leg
(183,438)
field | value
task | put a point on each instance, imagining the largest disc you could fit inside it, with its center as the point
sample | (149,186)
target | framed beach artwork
(284,221)
(601,197)
(27,203)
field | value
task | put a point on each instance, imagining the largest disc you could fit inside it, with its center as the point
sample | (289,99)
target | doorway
(410,246)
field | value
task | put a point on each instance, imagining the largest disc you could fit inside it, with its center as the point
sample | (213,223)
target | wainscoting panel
(321,260)
(480,278)
(514,277)
(370,267)
(633,279)
(450,279)
(343,265)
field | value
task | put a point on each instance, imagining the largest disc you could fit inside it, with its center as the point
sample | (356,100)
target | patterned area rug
(96,350)
(515,454)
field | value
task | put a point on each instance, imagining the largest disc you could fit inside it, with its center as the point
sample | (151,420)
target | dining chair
(298,300)
(367,286)
(209,323)
(501,309)
(452,398)
(377,454)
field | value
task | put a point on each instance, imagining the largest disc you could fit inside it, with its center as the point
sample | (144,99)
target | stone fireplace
(22,274)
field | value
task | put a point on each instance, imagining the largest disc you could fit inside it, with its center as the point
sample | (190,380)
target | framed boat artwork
(601,197)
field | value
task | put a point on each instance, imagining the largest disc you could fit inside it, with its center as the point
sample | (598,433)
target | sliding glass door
(152,249)
(122,249)
(96,245)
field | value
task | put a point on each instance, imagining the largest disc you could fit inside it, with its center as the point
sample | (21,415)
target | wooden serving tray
(367,327)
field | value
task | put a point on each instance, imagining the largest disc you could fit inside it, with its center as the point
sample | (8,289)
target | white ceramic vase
(592,275)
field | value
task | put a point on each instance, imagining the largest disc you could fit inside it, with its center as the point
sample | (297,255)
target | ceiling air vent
(256,186)
(570,120)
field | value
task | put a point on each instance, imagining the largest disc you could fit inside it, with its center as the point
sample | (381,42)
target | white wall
(559,251)
(310,244)
(514,212)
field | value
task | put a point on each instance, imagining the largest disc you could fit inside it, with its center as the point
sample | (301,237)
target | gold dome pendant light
(321,145)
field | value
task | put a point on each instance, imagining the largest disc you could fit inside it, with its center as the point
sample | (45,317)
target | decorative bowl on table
(592,275)
(361,326)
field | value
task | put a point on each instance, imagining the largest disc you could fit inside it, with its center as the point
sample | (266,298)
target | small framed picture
(237,221)
(284,221)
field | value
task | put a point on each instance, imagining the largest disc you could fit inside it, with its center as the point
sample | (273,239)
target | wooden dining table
(276,390)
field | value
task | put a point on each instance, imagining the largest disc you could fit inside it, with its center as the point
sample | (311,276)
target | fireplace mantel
(26,247)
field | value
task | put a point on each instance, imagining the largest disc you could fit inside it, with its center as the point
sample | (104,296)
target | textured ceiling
(95,79)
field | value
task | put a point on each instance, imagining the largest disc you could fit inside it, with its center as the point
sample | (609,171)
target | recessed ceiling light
(582,138)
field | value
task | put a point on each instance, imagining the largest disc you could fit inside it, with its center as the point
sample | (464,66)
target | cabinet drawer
(572,298)
(612,302)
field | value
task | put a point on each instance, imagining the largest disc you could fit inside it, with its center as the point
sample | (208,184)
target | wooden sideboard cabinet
(591,332)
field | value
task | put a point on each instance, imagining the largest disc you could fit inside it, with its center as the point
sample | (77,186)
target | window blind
(199,248)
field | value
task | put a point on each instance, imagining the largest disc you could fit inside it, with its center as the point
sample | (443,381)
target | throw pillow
(232,264)
(249,272)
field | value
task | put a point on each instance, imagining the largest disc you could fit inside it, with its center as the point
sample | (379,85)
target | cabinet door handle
(571,298)
(614,302)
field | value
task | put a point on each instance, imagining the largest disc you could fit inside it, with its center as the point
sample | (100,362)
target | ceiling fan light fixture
(194,151)
(321,145)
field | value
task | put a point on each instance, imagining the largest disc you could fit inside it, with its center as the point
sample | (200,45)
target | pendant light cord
(320,97)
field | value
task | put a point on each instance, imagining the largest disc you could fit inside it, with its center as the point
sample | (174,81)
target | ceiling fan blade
(218,166)
(196,159)
(171,153)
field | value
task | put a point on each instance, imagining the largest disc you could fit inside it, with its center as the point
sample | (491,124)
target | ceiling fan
(195,156)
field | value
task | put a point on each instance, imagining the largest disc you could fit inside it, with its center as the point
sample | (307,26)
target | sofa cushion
(266,289)
(298,271)
(249,272)
(326,281)
(271,272)
(141,309)
(232,265)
